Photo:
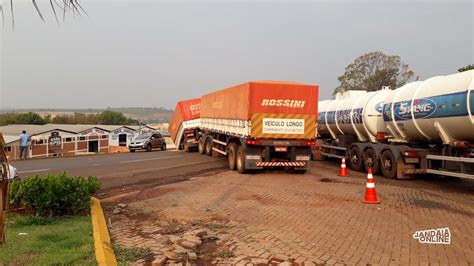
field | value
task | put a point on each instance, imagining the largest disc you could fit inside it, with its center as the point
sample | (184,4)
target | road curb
(103,249)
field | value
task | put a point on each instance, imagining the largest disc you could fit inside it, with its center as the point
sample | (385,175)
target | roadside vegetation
(103,118)
(125,256)
(48,221)
(53,195)
(35,240)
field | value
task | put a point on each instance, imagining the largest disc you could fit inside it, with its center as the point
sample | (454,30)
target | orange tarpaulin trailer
(273,109)
(185,111)
(271,97)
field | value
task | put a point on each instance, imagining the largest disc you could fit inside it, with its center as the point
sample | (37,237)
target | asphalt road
(118,171)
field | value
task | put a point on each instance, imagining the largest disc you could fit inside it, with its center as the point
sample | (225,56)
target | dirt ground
(274,217)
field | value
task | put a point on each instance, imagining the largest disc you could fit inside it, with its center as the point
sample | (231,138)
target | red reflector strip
(281,149)
(270,164)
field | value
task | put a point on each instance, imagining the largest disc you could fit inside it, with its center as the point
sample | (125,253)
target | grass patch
(125,255)
(35,221)
(48,241)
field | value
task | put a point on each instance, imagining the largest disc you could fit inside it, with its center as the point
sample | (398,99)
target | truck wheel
(370,161)
(241,160)
(388,165)
(163,147)
(356,160)
(132,151)
(231,157)
(149,147)
(201,145)
(208,147)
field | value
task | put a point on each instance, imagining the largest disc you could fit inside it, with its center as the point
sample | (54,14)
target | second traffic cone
(370,193)
(343,171)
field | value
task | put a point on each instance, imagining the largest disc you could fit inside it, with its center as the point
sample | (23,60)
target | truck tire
(370,161)
(388,164)
(149,147)
(208,146)
(241,160)
(356,160)
(201,146)
(232,157)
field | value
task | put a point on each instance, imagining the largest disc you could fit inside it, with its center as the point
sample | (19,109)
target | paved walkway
(315,218)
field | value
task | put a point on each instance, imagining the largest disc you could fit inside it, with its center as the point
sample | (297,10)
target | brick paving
(317,218)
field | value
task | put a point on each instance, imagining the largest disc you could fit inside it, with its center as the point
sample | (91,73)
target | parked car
(147,142)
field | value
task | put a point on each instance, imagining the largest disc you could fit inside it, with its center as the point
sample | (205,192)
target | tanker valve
(382,136)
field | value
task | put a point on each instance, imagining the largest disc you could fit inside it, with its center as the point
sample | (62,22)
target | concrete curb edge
(103,249)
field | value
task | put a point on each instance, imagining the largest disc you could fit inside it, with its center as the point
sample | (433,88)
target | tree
(114,118)
(466,68)
(64,6)
(374,70)
(23,118)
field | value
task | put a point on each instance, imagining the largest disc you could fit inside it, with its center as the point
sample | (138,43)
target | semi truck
(421,127)
(260,124)
(185,123)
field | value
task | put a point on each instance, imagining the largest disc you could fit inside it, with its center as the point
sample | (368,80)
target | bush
(53,195)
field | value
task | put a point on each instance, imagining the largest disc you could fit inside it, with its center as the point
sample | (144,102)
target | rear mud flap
(251,161)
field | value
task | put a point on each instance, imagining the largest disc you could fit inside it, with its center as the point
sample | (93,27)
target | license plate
(253,157)
(281,149)
(302,158)
(412,160)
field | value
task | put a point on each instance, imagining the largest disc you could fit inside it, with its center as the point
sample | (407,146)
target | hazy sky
(154,53)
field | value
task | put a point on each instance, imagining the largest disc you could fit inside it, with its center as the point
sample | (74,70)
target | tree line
(374,70)
(103,118)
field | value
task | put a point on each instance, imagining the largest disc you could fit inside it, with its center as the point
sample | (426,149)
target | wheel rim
(387,165)
(239,160)
(200,146)
(208,147)
(355,159)
(231,158)
(370,161)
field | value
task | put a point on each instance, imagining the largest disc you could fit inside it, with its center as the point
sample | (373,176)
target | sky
(152,53)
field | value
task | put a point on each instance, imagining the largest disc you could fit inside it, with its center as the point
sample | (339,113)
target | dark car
(147,142)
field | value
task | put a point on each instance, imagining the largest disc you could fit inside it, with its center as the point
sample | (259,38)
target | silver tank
(440,109)
(359,115)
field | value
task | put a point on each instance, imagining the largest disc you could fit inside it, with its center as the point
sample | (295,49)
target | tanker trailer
(260,125)
(350,125)
(184,125)
(422,127)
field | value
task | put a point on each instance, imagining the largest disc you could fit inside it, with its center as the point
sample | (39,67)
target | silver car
(147,142)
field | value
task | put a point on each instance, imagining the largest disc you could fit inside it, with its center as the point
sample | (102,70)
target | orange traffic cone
(343,171)
(370,194)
